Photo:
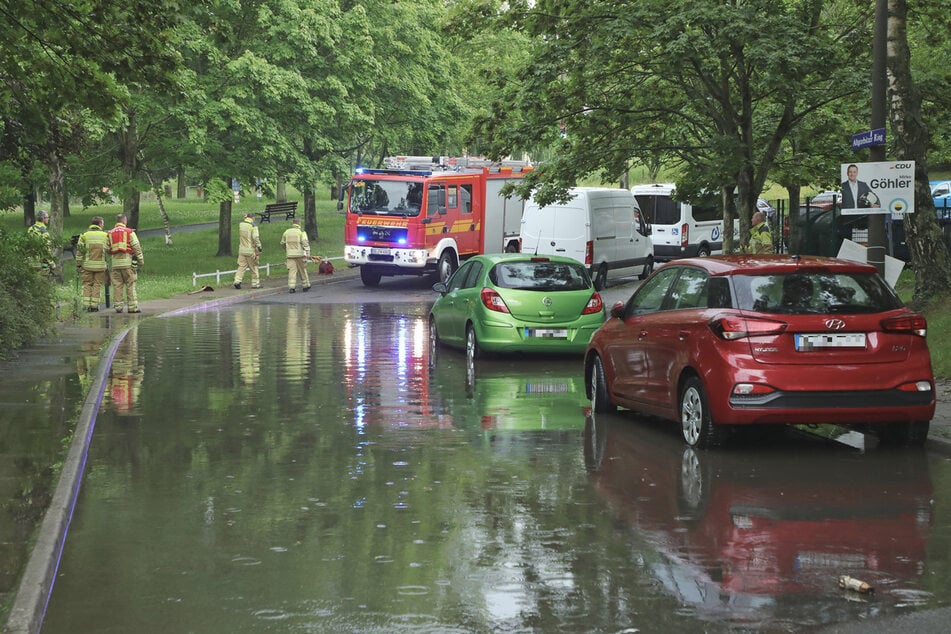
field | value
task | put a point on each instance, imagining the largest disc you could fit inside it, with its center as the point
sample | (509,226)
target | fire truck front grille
(395,236)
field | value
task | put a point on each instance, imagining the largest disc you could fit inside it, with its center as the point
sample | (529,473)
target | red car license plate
(807,342)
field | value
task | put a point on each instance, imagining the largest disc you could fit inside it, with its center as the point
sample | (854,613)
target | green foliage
(26,292)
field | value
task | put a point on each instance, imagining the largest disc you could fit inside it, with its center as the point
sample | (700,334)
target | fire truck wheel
(370,276)
(445,267)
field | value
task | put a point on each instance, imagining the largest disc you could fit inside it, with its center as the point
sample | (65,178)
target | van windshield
(386,197)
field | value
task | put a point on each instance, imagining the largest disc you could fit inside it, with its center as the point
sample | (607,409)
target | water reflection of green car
(516,303)
(509,394)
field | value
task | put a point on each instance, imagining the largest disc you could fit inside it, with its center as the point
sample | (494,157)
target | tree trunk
(29,209)
(224,224)
(182,190)
(65,198)
(310,217)
(281,190)
(929,255)
(129,157)
(57,185)
(161,205)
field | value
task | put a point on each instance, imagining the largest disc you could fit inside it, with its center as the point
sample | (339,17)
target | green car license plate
(547,333)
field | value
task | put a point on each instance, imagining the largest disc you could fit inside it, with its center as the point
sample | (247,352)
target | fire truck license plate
(376,251)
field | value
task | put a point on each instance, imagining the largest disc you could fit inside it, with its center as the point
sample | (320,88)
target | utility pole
(876,222)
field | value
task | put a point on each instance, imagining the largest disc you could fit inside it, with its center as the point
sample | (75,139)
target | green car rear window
(540,276)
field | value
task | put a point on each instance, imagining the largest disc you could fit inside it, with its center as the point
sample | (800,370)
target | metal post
(876,222)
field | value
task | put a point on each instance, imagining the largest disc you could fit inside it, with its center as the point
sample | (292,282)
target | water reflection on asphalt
(310,468)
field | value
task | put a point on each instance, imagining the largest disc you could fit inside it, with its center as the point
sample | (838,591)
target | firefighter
(127,257)
(41,230)
(761,239)
(249,251)
(295,243)
(91,262)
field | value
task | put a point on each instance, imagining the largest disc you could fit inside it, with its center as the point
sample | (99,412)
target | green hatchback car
(516,302)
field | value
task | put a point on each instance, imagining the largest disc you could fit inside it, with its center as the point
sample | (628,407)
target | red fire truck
(426,215)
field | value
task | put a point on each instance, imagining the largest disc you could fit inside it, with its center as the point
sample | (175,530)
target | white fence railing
(266,267)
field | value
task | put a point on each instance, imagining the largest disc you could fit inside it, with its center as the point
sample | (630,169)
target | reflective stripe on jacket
(249,239)
(761,240)
(123,245)
(295,241)
(91,249)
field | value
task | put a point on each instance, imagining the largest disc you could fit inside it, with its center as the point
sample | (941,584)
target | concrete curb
(29,607)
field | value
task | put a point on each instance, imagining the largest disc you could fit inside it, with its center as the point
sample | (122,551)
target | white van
(679,229)
(599,226)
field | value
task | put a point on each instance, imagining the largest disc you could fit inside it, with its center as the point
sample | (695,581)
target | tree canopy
(729,94)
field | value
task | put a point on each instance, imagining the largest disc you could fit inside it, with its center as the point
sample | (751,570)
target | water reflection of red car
(754,537)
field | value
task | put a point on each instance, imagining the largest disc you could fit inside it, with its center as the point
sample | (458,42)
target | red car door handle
(683,334)
(642,334)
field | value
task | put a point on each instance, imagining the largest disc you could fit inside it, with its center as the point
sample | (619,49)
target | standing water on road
(288,467)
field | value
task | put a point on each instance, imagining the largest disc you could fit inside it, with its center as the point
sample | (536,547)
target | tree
(925,238)
(64,71)
(715,85)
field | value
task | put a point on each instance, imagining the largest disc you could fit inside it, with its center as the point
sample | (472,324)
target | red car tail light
(684,235)
(493,301)
(589,252)
(916,386)
(752,389)
(913,323)
(594,305)
(736,327)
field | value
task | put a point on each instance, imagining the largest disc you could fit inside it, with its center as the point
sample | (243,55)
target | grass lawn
(168,269)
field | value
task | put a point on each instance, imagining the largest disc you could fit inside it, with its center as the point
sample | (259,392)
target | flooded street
(289,467)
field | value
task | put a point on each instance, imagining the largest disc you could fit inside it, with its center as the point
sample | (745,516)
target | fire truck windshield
(386,197)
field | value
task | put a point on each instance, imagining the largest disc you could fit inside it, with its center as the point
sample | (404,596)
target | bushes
(26,293)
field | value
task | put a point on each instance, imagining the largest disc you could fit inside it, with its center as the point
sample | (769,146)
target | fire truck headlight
(401,241)
(361,237)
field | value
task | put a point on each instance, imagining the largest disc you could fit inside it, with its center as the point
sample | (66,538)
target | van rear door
(554,230)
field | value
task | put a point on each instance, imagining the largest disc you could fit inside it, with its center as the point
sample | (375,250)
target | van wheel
(703,251)
(601,277)
(511,247)
(648,269)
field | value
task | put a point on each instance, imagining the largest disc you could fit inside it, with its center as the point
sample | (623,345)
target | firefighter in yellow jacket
(295,243)
(249,249)
(40,229)
(91,262)
(127,257)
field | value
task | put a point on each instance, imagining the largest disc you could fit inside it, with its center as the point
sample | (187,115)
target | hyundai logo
(834,324)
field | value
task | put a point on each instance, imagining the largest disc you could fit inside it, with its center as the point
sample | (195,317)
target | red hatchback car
(721,342)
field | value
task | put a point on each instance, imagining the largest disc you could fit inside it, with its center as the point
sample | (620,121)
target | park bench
(289,210)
